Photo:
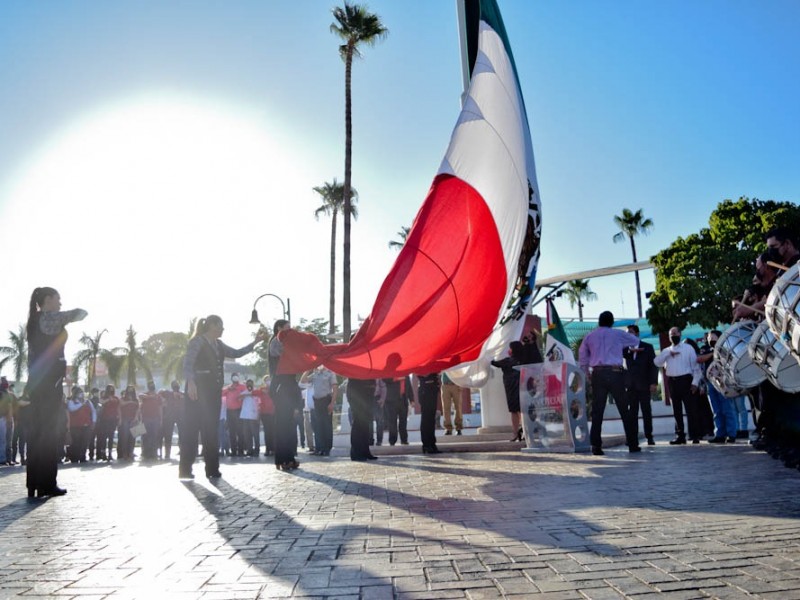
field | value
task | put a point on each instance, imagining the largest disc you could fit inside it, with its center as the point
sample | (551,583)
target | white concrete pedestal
(494,410)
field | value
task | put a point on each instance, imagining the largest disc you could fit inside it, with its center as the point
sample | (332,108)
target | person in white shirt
(680,363)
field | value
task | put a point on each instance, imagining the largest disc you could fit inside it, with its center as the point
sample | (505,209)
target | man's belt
(616,368)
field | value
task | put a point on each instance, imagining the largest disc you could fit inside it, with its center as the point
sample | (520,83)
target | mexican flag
(556,346)
(460,288)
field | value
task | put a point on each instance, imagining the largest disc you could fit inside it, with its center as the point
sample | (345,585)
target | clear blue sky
(666,106)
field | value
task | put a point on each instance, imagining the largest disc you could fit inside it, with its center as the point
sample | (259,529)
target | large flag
(460,288)
(556,346)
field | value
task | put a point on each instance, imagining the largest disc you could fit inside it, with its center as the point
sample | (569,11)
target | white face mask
(235,379)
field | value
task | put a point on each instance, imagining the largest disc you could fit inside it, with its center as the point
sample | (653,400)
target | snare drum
(772,355)
(783,314)
(720,379)
(733,358)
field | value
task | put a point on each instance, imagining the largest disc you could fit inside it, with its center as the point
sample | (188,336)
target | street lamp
(287,309)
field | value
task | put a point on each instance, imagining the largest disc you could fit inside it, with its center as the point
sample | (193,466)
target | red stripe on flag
(438,304)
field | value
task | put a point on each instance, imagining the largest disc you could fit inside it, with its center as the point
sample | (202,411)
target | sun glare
(157,185)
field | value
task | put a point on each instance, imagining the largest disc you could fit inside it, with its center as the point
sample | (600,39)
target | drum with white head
(783,310)
(771,354)
(733,358)
(722,381)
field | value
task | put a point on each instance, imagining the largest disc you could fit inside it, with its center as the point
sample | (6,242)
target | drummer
(723,407)
(752,303)
(779,421)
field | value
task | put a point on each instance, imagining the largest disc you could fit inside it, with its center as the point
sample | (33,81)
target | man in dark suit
(641,381)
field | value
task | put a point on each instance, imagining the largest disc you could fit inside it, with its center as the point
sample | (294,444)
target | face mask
(774,255)
(675,339)
(235,379)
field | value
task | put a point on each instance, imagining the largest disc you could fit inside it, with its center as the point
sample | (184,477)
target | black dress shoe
(695,441)
(597,451)
(182,475)
(431,450)
(634,449)
(651,442)
(56,491)
(677,441)
(372,457)
(358,458)
(216,475)
(730,440)
(716,440)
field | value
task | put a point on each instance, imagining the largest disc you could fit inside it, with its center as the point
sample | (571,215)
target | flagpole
(462,38)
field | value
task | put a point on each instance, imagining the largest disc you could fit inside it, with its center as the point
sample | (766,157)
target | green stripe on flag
(555,327)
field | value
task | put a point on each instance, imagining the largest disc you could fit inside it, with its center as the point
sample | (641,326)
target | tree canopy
(697,276)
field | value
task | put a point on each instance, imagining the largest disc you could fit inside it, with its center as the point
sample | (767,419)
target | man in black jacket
(641,381)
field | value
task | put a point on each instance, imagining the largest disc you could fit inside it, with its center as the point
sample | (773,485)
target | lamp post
(287,309)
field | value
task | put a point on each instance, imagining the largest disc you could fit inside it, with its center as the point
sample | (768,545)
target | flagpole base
(495,429)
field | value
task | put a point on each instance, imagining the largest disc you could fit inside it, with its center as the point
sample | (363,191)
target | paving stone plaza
(673,522)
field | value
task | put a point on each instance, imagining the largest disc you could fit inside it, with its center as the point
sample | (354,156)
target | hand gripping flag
(460,288)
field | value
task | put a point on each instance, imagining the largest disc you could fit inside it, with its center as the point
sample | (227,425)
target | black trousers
(235,431)
(605,382)
(201,417)
(361,394)
(45,435)
(397,414)
(79,438)
(105,437)
(324,422)
(680,391)
(640,399)
(285,395)
(428,397)
(268,422)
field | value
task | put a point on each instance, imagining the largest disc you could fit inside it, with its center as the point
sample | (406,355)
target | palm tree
(171,359)
(403,235)
(89,356)
(332,204)
(129,358)
(632,224)
(16,353)
(576,291)
(355,25)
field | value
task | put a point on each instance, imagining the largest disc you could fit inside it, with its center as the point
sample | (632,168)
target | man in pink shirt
(601,351)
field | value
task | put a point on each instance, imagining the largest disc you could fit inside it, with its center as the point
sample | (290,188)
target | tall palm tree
(89,356)
(576,291)
(403,235)
(16,353)
(128,358)
(632,224)
(355,25)
(332,204)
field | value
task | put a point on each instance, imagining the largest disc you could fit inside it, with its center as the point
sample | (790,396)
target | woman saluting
(46,370)
(204,374)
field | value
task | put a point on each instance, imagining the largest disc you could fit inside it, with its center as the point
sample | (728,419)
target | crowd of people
(619,364)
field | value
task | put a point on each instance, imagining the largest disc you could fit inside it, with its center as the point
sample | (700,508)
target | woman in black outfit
(204,374)
(46,370)
(511,384)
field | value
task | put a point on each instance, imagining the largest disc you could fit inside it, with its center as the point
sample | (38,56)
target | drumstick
(747,306)
(775,265)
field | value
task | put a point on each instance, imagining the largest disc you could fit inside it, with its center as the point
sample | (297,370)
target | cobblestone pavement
(674,522)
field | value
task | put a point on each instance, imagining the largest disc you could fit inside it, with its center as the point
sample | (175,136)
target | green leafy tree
(88,356)
(128,359)
(356,26)
(332,204)
(16,352)
(166,351)
(697,276)
(576,292)
(403,235)
(632,224)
